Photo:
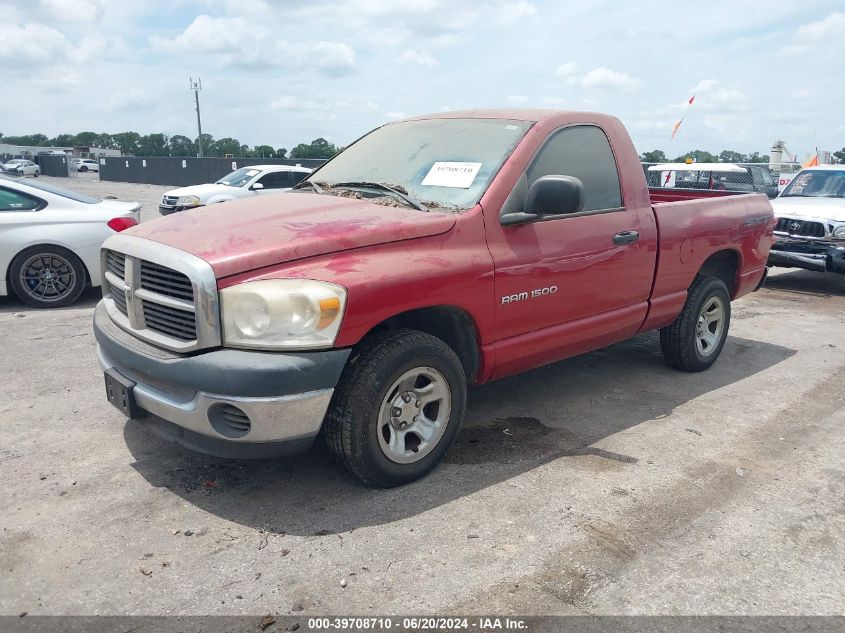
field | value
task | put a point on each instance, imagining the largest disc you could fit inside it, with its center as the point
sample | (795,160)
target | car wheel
(397,407)
(696,338)
(47,277)
(83,168)
(37,173)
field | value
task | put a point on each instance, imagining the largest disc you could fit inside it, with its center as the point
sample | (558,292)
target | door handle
(626,237)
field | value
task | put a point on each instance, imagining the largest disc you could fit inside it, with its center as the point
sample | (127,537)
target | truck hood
(268,230)
(203,192)
(810,208)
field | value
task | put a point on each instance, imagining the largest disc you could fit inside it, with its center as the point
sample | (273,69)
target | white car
(241,183)
(86,164)
(21,167)
(50,240)
(810,221)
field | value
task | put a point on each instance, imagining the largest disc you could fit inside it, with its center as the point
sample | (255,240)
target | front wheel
(83,169)
(696,338)
(397,407)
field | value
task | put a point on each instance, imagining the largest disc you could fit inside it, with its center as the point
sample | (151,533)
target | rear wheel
(397,408)
(696,338)
(83,168)
(47,277)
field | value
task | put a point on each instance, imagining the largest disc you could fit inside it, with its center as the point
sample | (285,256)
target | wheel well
(723,265)
(8,275)
(450,324)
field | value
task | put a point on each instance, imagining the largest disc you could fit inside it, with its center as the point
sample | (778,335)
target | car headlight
(839,232)
(188,201)
(282,314)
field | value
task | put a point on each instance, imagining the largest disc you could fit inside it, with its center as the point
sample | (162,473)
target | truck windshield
(238,178)
(828,183)
(446,163)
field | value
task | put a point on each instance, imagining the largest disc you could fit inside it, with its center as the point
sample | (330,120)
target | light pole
(196,86)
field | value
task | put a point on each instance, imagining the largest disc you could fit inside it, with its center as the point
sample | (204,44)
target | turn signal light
(121,224)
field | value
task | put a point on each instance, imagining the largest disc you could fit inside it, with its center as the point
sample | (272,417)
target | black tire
(69,270)
(37,173)
(354,420)
(83,169)
(680,342)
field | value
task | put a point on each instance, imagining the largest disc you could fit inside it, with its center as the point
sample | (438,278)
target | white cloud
(31,43)
(395,115)
(242,43)
(826,36)
(73,10)
(419,57)
(566,70)
(605,78)
(517,99)
(131,99)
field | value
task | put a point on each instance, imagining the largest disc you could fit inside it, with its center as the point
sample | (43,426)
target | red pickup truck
(432,254)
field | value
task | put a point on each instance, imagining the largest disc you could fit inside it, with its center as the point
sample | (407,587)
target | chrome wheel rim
(414,415)
(47,277)
(710,325)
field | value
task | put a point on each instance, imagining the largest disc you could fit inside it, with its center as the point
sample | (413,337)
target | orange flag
(675,129)
(813,162)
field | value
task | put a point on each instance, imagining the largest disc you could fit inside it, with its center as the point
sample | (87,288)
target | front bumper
(167,210)
(284,397)
(808,254)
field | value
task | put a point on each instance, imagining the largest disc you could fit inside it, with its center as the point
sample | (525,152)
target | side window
(583,152)
(299,176)
(276,180)
(15,201)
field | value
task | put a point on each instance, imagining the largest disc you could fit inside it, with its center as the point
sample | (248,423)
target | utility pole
(196,86)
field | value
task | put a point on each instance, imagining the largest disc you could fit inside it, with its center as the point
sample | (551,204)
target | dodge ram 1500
(432,254)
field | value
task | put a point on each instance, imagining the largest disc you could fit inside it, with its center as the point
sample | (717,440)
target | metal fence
(166,170)
(738,177)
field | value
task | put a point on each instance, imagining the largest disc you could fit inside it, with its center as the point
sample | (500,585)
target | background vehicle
(50,240)
(241,183)
(21,167)
(716,176)
(431,254)
(810,216)
(86,164)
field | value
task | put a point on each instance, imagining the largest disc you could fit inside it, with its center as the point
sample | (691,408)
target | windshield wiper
(300,185)
(409,200)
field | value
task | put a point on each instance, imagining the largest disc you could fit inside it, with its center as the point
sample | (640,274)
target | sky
(285,72)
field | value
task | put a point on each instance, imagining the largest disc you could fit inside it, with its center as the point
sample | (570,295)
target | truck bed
(660,195)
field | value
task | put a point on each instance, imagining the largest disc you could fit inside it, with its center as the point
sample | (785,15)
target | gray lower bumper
(810,255)
(283,396)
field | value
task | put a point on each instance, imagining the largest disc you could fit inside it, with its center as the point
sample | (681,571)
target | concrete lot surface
(605,484)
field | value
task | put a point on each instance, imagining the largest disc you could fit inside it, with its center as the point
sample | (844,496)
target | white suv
(241,183)
(86,164)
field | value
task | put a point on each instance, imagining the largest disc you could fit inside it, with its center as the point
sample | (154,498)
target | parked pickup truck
(433,254)
(810,222)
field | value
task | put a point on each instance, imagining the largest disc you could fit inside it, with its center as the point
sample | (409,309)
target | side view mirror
(257,186)
(547,196)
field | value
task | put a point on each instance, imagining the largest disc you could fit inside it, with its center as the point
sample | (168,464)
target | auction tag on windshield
(457,175)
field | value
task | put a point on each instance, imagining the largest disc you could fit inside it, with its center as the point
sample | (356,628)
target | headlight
(839,232)
(282,314)
(188,201)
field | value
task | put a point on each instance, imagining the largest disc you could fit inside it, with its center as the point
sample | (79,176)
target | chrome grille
(119,299)
(116,263)
(179,324)
(800,228)
(160,294)
(166,281)
(169,200)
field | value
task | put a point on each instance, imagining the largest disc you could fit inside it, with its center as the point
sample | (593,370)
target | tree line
(160,144)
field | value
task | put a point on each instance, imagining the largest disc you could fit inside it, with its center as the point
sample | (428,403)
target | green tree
(263,151)
(730,156)
(64,140)
(153,145)
(208,145)
(181,146)
(225,146)
(755,157)
(86,138)
(654,156)
(839,156)
(697,155)
(282,152)
(127,142)
(318,148)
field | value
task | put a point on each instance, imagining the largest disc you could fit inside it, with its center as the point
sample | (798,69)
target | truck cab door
(568,283)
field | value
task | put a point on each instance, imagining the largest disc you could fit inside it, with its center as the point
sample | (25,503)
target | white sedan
(21,167)
(241,183)
(50,240)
